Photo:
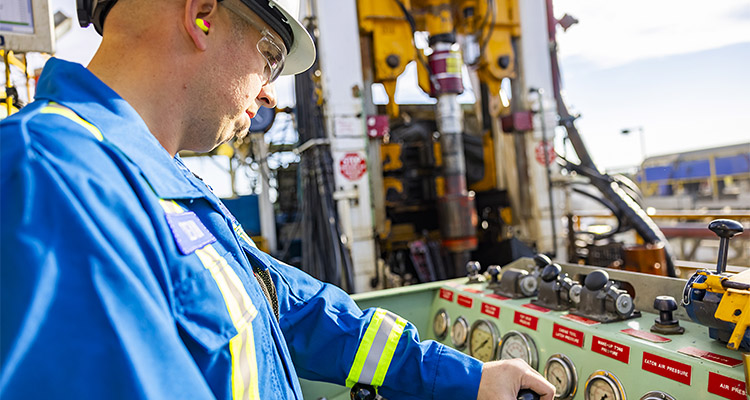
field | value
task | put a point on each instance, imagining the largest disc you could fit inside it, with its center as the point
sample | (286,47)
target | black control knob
(494,271)
(666,323)
(362,392)
(541,260)
(665,305)
(725,229)
(473,268)
(551,272)
(527,394)
(596,280)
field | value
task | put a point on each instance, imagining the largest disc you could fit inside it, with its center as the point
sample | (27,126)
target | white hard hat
(283,17)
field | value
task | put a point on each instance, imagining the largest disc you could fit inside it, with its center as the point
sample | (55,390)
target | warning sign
(539,152)
(352,166)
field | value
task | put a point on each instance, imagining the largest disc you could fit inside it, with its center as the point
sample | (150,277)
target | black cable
(420,55)
(490,10)
(324,255)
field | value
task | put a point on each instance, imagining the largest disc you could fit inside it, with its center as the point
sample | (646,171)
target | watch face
(440,324)
(519,345)
(483,340)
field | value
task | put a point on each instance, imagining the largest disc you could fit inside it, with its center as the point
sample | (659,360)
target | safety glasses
(269,46)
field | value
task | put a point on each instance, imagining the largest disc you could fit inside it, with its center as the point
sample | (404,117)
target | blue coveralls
(123,276)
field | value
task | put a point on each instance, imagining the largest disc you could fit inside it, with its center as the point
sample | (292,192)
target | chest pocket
(197,314)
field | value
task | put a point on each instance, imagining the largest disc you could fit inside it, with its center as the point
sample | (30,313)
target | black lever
(725,229)
(541,260)
(596,280)
(361,391)
(551,272)
(527,394)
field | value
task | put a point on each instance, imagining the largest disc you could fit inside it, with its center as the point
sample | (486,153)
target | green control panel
(583,358)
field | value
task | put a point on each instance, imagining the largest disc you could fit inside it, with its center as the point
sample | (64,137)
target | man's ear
(199,9)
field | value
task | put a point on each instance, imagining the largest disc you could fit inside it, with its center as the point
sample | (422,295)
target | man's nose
(267,95)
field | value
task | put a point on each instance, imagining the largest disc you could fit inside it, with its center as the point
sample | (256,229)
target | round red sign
(539,152)
(352,166)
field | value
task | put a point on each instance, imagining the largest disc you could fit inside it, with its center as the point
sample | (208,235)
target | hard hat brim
(302,54)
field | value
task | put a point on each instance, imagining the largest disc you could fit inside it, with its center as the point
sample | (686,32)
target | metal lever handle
(527,394)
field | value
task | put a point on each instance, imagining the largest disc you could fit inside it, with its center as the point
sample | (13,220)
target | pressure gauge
(483,340)
(657,395)
(459,333)
(519,345)
(603,385)
(440,324)
(561,372)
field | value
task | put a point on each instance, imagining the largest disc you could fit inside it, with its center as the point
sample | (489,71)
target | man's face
(237,87)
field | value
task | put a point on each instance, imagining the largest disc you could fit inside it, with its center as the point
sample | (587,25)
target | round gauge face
(602,385)
(483,340)
(440,324)
(657,395)
(459,333)
(519,345)
(561,372)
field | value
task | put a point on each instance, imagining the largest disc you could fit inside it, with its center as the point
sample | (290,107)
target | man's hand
(502,380)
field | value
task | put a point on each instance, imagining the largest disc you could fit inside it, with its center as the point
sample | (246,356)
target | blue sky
(673,67)
(676,68)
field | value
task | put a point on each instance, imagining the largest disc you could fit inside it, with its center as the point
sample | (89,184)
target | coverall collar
(75,87)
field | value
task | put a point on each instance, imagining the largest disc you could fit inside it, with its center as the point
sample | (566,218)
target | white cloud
(612,33)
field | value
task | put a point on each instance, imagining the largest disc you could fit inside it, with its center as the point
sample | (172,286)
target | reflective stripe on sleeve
(376,349)
(241,311)
(54,108)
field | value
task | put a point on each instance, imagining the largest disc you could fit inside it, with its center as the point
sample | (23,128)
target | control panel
(595,334)
(609,345)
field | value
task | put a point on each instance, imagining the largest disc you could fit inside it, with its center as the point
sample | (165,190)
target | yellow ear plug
(204,25)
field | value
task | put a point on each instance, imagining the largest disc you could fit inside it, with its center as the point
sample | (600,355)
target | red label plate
(580,320)
(726,387)
(465,301)
(651,337)
(667,368)
(471,290)
(536,308)
(446,294)
(707,355)
(567,335)
(610,349)
(526,320)
(489,309)
(498,297)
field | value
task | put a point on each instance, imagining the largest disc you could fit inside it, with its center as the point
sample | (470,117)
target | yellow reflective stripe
(376,349)
(364,347)
(390,349)
(241,311)
(170,206)
(54,108)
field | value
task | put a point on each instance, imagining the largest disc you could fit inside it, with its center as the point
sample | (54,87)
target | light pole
(641,137)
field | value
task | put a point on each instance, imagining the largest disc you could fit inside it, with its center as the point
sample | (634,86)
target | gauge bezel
(461,321)
(530,347)
(442,314)
(570,369)
(657,395)
(494,332)
(608,378)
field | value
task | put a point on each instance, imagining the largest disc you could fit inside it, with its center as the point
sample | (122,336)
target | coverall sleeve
(82,282)
(324,327)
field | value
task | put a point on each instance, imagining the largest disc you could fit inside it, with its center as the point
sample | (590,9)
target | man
(123,276)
